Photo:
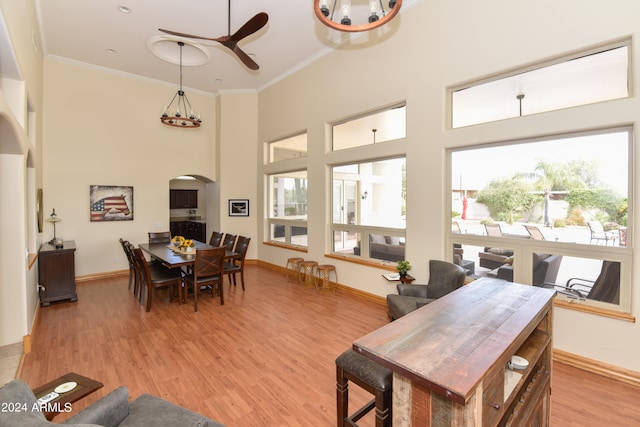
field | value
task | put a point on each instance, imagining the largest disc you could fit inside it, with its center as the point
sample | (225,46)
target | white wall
(439,44)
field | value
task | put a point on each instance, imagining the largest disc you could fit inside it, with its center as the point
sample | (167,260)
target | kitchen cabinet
(453,360)
(56,273)
(183,199)
(189,230)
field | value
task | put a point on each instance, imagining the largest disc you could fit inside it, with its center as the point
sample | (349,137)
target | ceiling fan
(231,40)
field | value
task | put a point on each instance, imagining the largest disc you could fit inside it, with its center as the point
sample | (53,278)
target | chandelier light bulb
(369,14)
(345,8)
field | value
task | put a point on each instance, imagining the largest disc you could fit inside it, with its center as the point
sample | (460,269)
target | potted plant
(402,267)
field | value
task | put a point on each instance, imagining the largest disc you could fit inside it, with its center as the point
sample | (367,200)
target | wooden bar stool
(307,278)
(375,378)
(292,269)
(324,285)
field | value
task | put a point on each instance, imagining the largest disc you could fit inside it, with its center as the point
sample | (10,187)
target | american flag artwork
(111,203)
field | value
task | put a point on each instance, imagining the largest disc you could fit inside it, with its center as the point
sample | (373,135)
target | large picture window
(368,209)
(548,212)
(287,217)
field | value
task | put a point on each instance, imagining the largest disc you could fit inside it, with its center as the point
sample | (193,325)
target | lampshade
(370,13)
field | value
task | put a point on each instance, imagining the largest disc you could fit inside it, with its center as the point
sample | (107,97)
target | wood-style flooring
(265,358)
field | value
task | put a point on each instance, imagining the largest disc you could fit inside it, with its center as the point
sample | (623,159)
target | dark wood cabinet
(181,199)
(56,273)
(189,230)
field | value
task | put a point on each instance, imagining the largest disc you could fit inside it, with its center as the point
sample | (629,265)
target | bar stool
(324,285)
(292,269)
(306,278)
(375,378)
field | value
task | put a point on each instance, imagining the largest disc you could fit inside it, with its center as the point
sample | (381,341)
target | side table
(395,277)
(84,387)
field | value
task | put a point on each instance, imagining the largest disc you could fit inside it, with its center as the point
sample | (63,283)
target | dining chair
(229,241)
(216,238)
(159,237)
(156,277)
(236,265)
(132,270)
(208,270)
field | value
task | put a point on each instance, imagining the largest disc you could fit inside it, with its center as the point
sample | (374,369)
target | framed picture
(110,203)
(238,207)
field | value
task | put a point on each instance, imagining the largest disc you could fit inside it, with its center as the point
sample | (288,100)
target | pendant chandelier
(180,115)
(373,14)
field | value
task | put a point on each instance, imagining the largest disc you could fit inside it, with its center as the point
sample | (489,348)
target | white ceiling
(82,31)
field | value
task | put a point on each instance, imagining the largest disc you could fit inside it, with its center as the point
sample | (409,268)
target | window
(546,211)
(287,217)
(582,79)
(382,126)
(288,148)
(368,209)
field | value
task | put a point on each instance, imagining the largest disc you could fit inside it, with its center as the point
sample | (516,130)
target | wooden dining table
(172,259)
(164,253)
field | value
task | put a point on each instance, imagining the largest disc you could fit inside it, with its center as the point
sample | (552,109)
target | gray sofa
(20,408)
(384,247)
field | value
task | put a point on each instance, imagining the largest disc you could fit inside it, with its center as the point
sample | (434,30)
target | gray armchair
(444,277)
(112,410)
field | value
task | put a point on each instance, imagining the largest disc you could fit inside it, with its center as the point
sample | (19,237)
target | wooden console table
(449,358)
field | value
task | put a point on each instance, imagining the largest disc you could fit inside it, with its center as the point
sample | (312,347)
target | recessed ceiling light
(253,55)
(111,51)
(124,9)
(218,80)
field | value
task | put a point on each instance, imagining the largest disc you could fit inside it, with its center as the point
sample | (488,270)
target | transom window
(386,125)
(288,148)
(586,78)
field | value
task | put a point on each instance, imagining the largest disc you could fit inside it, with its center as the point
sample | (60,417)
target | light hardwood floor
(265,358)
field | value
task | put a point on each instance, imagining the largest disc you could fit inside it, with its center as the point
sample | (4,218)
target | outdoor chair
(545,269)
(493,230)
(598,233)
(605,288)
(535,232)
(444,277)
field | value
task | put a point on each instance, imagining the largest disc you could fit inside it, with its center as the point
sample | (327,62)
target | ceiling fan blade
(251,26)
(189,36)
(246,59)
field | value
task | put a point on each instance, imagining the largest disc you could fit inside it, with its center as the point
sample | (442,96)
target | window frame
(524,248)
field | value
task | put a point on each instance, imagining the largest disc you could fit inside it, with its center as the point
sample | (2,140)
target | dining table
(171,258)
(167,254)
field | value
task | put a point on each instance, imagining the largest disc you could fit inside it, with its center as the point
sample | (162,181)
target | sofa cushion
(377,238)
(108,411)
(148,410)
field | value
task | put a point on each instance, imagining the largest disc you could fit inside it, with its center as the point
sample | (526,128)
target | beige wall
(102,128)
(433,46)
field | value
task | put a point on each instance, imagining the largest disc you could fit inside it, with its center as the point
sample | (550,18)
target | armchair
(444,277)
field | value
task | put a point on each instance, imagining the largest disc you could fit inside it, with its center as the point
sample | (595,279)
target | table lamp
(53,218)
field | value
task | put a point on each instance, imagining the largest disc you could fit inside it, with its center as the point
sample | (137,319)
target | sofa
(20,408)
(386,248)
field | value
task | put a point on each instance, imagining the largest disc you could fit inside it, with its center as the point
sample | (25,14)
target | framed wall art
(111,203)
(238,207)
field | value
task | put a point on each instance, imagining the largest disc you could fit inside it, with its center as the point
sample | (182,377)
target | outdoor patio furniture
(598,233)
(605,288)
(535,232)
(545,269)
